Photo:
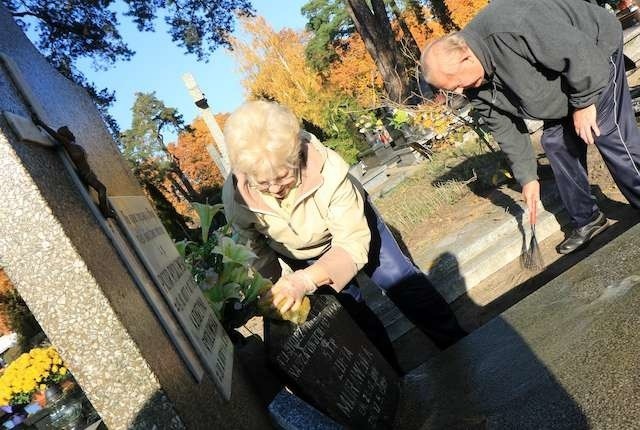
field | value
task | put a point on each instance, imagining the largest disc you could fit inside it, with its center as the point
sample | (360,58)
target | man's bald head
(449,64)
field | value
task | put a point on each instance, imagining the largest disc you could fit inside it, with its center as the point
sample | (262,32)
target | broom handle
(533,213)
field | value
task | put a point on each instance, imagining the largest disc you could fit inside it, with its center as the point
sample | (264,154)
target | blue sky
(158,66)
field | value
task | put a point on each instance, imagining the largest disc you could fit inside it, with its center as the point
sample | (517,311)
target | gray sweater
(541,59)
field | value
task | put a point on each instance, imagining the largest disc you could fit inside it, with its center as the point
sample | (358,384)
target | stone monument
(565,357)
(135,363)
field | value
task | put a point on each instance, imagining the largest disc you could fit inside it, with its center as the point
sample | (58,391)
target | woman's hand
(585,123)
(288,292)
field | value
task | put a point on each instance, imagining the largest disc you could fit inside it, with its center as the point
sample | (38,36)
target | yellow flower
(62,370)
(54,368)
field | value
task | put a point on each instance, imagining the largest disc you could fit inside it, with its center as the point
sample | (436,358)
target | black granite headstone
(330,363)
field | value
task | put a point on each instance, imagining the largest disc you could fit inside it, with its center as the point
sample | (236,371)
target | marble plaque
(173,278)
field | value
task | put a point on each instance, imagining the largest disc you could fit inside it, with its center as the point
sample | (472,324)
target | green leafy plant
(400,118)
(222,268)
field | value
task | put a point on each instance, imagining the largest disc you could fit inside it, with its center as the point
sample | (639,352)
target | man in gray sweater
(560,61)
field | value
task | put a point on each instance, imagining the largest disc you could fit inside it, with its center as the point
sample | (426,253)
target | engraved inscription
(330,361)
(198,312)
(304,342)
(209,336)
(172,273)
(173,278)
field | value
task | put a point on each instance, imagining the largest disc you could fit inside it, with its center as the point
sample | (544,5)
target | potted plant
(31,373)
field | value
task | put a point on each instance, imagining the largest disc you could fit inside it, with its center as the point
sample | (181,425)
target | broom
(531,259)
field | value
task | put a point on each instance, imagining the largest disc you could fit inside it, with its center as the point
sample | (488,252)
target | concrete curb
(463,259)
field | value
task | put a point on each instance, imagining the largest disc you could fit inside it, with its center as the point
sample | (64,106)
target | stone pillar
(72,279)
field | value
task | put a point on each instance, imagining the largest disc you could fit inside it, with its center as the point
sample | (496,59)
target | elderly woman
(293,198)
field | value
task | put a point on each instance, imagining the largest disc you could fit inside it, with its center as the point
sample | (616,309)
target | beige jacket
(327,219)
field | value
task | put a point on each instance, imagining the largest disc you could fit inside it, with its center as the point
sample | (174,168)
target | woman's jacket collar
(313,159)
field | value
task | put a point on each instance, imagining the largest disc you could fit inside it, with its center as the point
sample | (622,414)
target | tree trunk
(416,8)
(408,40)
(375,30)
(189,192)
(442,14)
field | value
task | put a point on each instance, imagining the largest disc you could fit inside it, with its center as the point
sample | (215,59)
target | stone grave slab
(292,413)
(329,362)
(566,357)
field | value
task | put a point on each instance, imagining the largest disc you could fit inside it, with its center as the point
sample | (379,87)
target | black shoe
(579,237)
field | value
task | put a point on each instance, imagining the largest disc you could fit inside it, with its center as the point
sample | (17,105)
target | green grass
(441,182)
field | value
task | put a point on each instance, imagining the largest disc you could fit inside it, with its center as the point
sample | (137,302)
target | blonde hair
(449,45)
(262,137)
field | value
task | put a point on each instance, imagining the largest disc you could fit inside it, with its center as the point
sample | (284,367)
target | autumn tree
(274,67)
(370,19)
(463,11)
(195,161)
(157,169)
(354,72)
(68,30)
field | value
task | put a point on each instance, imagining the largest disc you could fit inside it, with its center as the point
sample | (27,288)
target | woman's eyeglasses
(287,178)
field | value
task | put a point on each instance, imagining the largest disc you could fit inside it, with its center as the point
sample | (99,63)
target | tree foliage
(355,73)
(68,30)
(150,119)
(194,159)
(330,24)
(274,67)
(463,11)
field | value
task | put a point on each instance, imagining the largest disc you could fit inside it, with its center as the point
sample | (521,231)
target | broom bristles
(532,257)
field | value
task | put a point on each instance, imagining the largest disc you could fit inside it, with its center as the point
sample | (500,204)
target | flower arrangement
(223,269)
(369,122)
(32,371)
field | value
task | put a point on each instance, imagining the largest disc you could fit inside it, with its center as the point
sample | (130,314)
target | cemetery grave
(108,287)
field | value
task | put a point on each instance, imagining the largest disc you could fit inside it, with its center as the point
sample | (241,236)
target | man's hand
(585,123)
(531,195)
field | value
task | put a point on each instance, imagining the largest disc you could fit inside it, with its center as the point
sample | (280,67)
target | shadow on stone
(491,379)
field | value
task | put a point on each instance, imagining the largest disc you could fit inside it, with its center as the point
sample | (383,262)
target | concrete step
(463,259)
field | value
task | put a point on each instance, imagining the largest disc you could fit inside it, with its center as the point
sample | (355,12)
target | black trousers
(619,144)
